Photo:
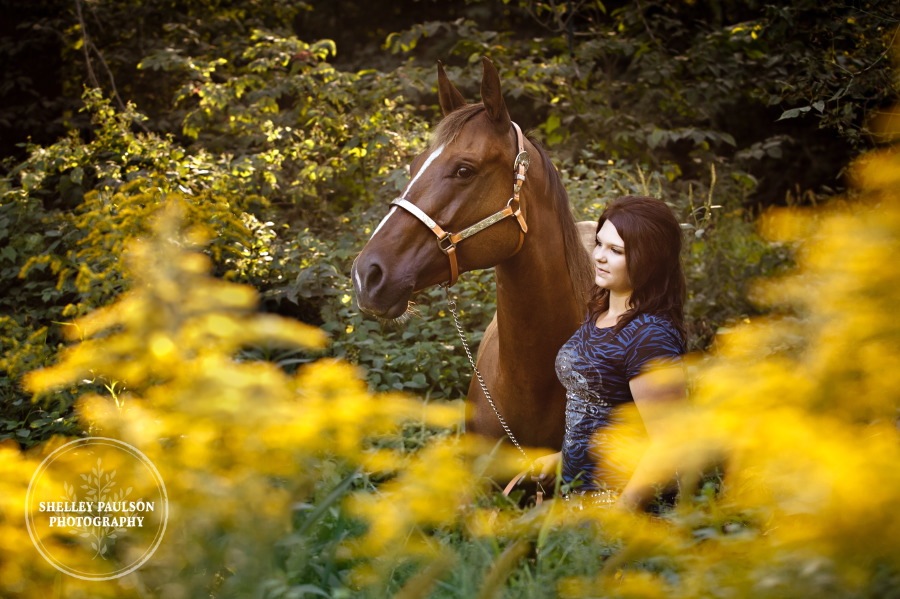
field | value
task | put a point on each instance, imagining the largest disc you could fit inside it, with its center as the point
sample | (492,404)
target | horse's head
(466,182)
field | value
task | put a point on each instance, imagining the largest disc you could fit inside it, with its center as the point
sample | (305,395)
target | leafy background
(273,134)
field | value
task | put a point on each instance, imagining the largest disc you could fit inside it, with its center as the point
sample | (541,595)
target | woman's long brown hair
(652,239)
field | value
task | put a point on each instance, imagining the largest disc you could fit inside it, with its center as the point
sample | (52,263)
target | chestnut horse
(473,165)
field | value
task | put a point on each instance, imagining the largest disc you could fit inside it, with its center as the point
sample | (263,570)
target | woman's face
(610,267)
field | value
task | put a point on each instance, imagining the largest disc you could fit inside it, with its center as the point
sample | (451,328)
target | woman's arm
(657,394)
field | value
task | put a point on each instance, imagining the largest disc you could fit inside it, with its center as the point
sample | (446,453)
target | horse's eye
(465,172)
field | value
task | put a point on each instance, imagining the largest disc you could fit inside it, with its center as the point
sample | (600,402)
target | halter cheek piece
(447,241)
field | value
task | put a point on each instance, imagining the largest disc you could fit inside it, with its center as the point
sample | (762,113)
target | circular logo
(96,508)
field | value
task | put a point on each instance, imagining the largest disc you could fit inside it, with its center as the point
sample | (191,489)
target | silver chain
(462,337)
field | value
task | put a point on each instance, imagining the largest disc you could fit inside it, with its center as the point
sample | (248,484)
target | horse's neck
(537,309)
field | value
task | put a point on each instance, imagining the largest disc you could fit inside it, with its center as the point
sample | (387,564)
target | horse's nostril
(373,276)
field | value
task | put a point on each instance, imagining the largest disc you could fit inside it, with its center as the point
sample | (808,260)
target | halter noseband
(447,241)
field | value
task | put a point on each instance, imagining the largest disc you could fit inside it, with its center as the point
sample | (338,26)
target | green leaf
(793,113)
(656,137)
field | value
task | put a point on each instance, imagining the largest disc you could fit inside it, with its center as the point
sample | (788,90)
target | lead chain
(462,337)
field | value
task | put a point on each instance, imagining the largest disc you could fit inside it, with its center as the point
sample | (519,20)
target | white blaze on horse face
(422,170)
(405,194)
(384,220)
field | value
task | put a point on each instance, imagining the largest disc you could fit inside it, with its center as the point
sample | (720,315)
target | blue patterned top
(595,366)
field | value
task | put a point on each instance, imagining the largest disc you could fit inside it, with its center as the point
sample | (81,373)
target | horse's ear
(448,95)
(491,96)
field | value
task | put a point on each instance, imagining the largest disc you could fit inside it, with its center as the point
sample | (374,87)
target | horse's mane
(577,261)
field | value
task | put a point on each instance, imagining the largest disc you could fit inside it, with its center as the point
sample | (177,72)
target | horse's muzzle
(375,294)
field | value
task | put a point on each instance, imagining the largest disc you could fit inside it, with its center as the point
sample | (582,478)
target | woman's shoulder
(649,319)
(653,325)
(653,319)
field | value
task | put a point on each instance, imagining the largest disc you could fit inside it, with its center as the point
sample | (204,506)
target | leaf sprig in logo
(99,487)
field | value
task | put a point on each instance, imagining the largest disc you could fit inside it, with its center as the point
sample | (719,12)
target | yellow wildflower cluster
(237,441)
(436,487)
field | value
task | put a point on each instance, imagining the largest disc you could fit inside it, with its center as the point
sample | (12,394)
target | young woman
(635,320)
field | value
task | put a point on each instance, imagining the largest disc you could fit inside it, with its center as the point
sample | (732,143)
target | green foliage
(723,251)
(294,126)
(677,85)
(423,354)
(67,213)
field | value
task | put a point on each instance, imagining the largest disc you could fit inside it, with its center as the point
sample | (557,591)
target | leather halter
(447,241)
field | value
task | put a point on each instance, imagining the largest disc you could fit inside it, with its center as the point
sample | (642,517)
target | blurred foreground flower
(237,441)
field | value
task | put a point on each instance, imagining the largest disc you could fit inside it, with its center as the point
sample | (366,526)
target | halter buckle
(450,245)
